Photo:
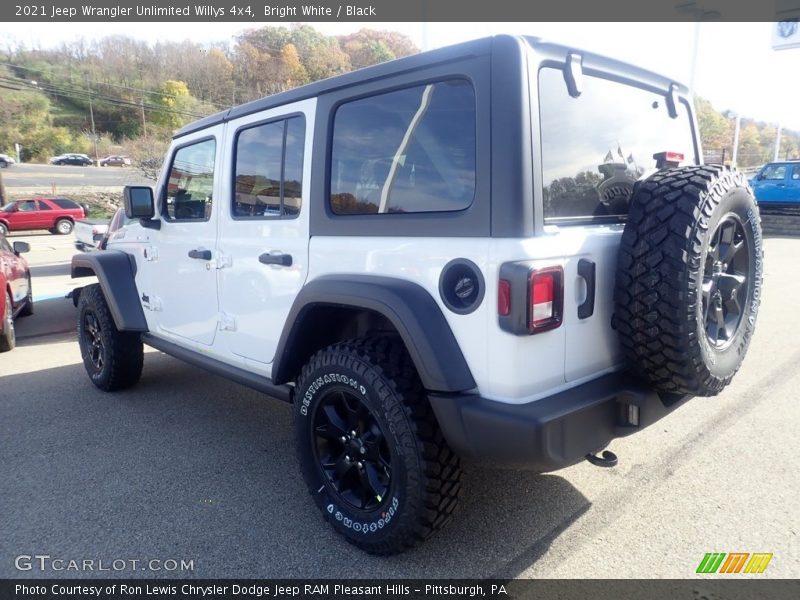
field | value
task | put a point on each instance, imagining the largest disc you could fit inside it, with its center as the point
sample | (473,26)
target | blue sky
(736,67)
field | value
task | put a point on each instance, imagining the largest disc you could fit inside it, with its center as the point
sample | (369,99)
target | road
(44,177)
(190,466)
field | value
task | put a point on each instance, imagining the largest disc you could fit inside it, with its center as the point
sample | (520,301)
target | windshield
(8,207)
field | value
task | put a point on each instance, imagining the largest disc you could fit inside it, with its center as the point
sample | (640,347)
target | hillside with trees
(134,95)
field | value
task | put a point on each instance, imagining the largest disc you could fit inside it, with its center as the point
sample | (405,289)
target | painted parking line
(42,297)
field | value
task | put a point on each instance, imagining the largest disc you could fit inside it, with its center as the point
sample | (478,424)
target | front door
(184,275)
(772,183)
(264,229)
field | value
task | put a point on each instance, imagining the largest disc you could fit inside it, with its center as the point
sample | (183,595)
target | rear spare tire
(689,276)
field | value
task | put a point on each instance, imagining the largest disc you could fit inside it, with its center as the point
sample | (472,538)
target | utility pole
(777,143)
(736,139)
(144,119)
(91,116)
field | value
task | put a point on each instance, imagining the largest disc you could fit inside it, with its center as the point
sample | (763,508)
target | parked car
(115,160)
(6,160)
(431,260)
(56,214)
(778,182)
(16,293)
(80,160)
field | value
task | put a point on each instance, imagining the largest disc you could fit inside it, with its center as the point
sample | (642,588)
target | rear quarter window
(64,203)
(594,147)
(407,151)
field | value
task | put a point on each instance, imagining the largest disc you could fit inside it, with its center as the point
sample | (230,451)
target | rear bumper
(553,432)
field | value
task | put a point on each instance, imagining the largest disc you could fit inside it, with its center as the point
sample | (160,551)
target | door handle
(200,254)
(278,258)
(586,269)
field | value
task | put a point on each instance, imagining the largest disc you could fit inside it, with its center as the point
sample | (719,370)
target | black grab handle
(284,260)
(586,269)
(200,254)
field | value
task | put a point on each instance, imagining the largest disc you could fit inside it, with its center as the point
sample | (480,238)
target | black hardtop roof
(456,52)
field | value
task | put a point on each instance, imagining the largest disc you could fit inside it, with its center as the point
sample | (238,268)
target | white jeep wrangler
(506,250)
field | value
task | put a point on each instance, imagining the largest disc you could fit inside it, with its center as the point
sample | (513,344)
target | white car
(506,250)
(6,160)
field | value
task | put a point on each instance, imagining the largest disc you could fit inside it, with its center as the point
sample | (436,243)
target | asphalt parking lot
(187,466)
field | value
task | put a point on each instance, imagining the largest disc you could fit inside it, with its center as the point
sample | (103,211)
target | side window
(595,146)
(774,173)
(27,206)
(796,172)
(407,151)
(64,203)
(191,183)
(44,205)
(269,169)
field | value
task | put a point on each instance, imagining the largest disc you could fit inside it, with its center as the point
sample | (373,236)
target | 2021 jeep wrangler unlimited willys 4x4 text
(505,250)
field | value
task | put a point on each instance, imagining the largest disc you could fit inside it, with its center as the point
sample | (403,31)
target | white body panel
(257,297)
(505,367)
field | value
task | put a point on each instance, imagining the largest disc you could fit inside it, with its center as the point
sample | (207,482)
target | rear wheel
(112,358)
(63,226)
(689,278)
(3,229)
(370,449)
(8,337)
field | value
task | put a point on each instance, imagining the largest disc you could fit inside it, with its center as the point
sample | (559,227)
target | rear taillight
(504,298)
(545,299)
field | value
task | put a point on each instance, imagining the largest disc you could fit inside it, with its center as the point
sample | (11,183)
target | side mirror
(21,248)
(138,202)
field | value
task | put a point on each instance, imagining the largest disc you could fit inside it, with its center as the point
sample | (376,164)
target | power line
(83,95)
(114,85)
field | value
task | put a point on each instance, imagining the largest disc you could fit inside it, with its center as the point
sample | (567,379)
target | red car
(56,214)
(16,294)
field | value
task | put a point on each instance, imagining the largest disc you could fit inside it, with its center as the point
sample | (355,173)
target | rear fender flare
(408,307)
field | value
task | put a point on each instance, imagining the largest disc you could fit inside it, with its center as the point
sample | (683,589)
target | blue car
(778,182)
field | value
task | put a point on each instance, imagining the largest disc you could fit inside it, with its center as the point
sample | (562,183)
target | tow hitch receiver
(607,460)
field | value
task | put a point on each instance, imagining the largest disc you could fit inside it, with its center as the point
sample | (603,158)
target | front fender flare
(116,272)
(409,308)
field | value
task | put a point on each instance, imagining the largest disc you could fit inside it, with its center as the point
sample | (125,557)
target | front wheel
(8,337)
(113,359)
(3,229)
(27,310)
(370,449)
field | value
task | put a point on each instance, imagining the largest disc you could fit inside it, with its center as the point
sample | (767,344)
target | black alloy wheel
(93,340)
(351,450)
(724,291)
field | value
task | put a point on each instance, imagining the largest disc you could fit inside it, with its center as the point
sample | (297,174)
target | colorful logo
(735,562)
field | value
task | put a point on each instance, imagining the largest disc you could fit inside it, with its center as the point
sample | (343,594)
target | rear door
(594,147)
(264,228)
